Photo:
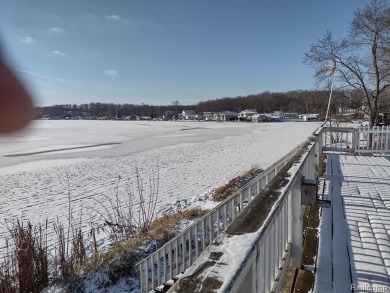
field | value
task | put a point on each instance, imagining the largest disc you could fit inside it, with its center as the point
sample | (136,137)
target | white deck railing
(279,242)
(374,139)
(362,139)
(180,253)
(338,139)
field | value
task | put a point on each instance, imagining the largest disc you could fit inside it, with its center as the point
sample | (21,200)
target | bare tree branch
(362,58)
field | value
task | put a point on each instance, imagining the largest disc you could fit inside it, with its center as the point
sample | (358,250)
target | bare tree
(361,59)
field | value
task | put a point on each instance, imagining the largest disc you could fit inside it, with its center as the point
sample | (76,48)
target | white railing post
(267,263)
(189,248)
(296,224)
(274,264)
(260,266)
(196,242)
(355,140)
(317,153)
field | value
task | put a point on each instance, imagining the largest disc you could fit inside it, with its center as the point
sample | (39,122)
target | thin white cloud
(56,30)
(40,75)
(113,17)
(110,73)
(28,40)
(58,53)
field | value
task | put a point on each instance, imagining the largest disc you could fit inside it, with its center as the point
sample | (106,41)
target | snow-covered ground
(90,162)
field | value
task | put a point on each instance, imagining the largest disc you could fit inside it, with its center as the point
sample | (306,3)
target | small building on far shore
(168,115)
(309,117)
(291,116)
(247,114)
(188,115)
(226,116)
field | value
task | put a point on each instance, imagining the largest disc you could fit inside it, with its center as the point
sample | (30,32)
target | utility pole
(330,96)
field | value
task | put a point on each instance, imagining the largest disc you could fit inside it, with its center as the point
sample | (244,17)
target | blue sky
(157,52)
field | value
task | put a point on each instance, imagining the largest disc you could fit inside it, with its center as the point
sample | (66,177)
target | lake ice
(89,162)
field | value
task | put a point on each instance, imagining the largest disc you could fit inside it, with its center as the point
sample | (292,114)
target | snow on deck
(354,249)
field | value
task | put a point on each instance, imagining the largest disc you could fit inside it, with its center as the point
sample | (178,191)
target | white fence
(180,253)
(279,242)
(362,139)
(375,139)
(338,139)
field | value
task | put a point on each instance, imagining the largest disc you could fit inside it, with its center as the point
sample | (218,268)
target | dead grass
(161,230)
(26,269)
(7,280)
(234,184)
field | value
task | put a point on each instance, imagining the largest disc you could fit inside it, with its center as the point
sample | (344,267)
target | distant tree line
(267,102)
(107,110)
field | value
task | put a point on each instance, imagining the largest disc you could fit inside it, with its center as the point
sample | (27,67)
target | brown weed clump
(25,269)
(223,192)
(161,230)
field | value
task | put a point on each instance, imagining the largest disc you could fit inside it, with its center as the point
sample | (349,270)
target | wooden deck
(354,245)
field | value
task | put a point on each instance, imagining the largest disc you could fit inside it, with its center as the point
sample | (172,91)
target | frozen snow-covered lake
(90,161)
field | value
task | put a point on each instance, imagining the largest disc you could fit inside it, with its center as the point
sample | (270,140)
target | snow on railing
(180,253)
(279,241)
(362,139)
(338,139)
